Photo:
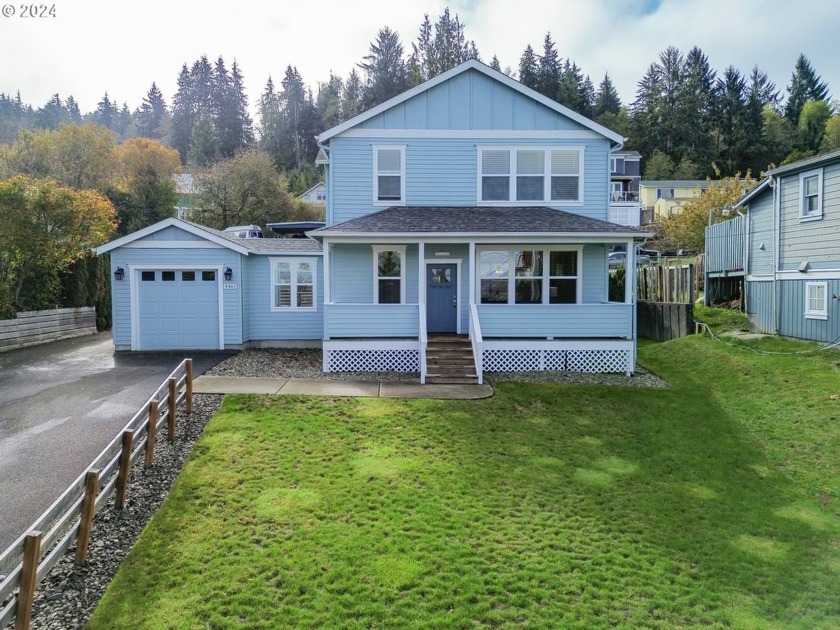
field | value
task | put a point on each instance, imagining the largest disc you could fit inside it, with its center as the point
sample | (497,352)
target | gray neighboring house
(625,176)
(785,248)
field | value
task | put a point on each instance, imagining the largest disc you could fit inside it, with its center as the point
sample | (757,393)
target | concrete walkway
(325,387)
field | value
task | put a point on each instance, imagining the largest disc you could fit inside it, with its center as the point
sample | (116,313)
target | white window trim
(546,278)
(294,265)
(376,148)
(400,249)
(803,217)
(512,149)
(823,312)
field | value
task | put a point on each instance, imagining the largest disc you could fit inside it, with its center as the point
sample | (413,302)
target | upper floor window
(529,175)
(389,174)
(816,300)
(664,193)
(389,274)
(810,195)
(293,284)
(617,165)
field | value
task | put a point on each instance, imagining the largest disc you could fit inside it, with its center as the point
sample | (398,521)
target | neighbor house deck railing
(725,242)
(70,518)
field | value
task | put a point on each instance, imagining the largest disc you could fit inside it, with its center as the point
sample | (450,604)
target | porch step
(449,359)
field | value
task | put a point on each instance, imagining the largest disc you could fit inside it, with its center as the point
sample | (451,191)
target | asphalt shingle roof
(479,220)
(267,245)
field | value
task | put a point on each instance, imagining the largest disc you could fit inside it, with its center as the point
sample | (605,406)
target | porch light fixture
(119,273)
(228,274)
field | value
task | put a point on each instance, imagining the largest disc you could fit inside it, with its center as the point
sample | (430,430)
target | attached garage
(177,308)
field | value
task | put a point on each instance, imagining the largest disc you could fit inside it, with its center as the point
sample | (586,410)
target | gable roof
(755,192)
(243,246)
(466,220)
(309,190)
(800,165)
(472,64)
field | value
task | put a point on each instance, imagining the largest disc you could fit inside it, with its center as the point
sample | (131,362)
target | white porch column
(421,273)
(472,274)
(630,273)
(327,292)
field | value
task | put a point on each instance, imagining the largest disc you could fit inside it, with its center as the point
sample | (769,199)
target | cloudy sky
(91,46)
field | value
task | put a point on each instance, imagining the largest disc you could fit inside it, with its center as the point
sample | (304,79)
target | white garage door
(178,309)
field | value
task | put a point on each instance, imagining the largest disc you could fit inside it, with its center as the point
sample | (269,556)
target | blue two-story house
(467,206)
(784,250)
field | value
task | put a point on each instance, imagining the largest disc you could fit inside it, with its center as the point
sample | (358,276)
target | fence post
(88,511)
(172,403)
(188,382)
(152,433)
(125,468)
(28,575)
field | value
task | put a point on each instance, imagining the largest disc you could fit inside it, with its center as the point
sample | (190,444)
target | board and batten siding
(263,324)
(759,306)
(791,305)
(762,238)
(817,241)
(444,172)
(471,100)
(175,258)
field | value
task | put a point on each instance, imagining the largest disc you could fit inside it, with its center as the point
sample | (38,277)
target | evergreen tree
(244,124)
(52,114)
(328,102)
(644,112)
(695,106)
(183,113)
(150,118)
(271,123)
(439,48)
(494,63)
(73,112)
(607,100)
(14,116)
(548,70)
(386,73)
(204,144)
(811,129)
(729,115)
(351,100)
(659,166)
(123,123)
(805,85)
(574,92)
(529,68)
(106,113)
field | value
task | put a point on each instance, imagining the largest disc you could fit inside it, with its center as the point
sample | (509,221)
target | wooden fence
(663,321)
(69,519)
(667,282)
(36,327)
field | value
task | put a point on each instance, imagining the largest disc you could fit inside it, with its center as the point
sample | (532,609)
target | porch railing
(371,320)
(477,343)
(557,321)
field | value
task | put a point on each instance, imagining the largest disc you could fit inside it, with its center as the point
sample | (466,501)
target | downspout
(776,185)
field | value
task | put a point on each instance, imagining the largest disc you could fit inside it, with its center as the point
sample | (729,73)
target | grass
(713,503)
(721,319)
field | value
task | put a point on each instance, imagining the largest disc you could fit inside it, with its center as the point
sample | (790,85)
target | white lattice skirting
(590,361)
(372,360)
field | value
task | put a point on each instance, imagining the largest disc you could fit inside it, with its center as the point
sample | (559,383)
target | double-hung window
(816,300)
(293,284)
(528,276)
(389,174)
(530,175)
(810,196)
(389,274)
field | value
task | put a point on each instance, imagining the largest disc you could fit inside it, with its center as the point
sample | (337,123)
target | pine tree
(52,114)
(245,125)
(106,113)
(805,85)
(644,112)
(73,112)
(729,114)
(204,144)
(150,117)
(184,109)
(328,102)
(351,101)
(494,63)
(607,100)
(386,73)
(123,123)
(548,70)
(271,124)
(529,68)
(695,105)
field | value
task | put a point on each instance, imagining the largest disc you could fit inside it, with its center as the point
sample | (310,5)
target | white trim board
(475,134)
(170,222)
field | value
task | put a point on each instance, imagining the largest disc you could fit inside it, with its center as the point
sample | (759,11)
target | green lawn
(713,503)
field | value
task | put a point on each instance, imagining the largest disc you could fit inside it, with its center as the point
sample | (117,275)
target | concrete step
(451,380)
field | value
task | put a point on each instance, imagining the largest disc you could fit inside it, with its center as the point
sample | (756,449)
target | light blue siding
(595,274)
(759,306)
(191,258)
(173,233)
(263,324)
(762,239)
(792,320)
(444,172)
(556,320)
(814,241)
(371,320)
(351,267)
(462,103)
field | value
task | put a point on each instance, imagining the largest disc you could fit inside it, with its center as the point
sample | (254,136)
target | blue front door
(441,298)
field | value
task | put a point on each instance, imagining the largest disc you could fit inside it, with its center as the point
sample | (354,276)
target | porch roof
(479,221)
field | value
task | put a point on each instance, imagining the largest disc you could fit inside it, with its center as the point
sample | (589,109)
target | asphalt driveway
(60,404)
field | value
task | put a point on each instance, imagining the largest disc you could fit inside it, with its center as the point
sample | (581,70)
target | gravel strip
(68,595)
(307,363)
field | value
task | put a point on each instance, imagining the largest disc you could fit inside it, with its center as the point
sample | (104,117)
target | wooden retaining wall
(662,321)
(36,327)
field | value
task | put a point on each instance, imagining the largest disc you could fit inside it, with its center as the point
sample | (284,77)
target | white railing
(424,340)
(477,343)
